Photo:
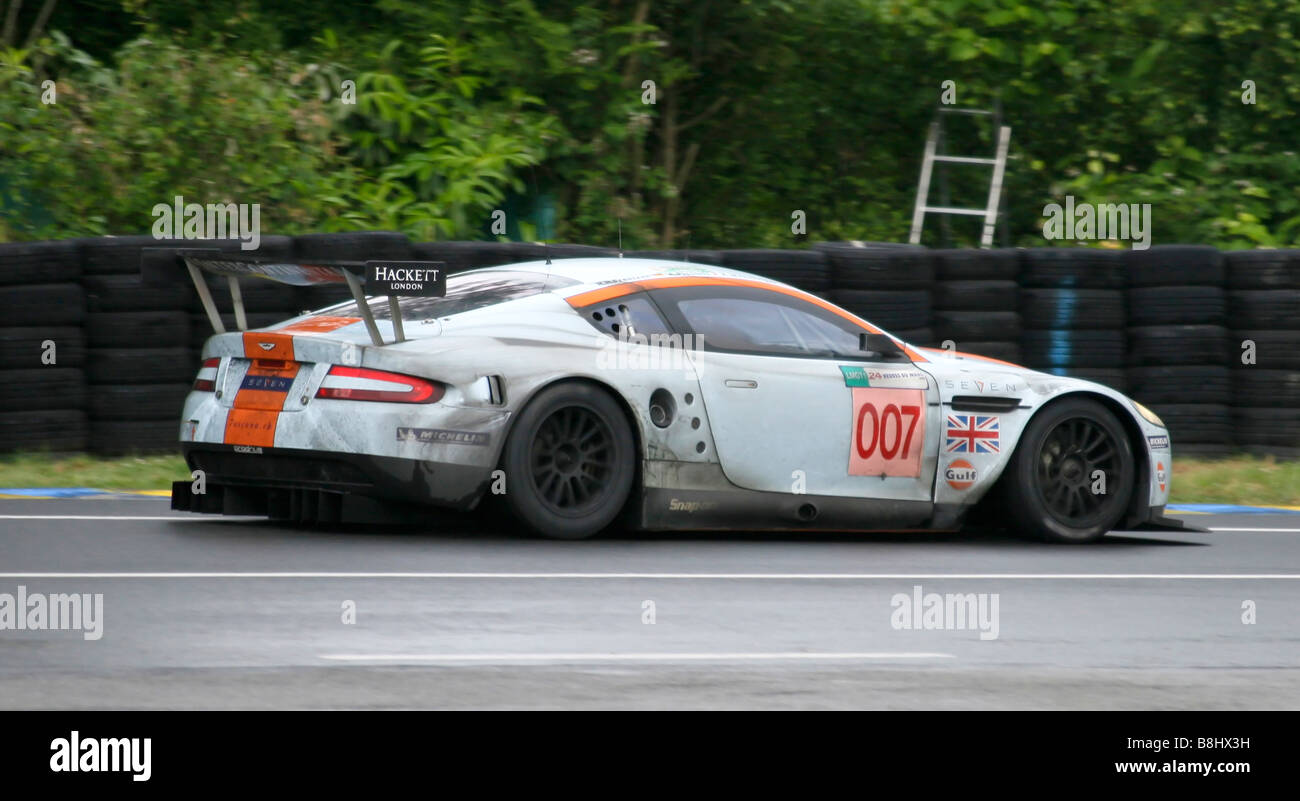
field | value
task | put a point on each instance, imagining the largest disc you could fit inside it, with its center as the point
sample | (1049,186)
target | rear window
(466,292)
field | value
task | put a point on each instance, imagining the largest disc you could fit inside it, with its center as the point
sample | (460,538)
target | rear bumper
(319,486)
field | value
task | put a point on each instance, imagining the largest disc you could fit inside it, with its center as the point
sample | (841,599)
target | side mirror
(881,344)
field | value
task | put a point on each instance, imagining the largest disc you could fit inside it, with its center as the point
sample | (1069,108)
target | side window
(632,315)
(758,321)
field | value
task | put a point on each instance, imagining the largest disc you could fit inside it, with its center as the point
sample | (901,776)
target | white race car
(661,395)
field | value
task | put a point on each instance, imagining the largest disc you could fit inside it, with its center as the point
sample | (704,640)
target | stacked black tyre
(42,349)
(977,302)
(139,361)
(346,246)
(808,270)
(1264,350)
(713,257)
(1177,343)
(144,340)
(1072,310)
(886,284)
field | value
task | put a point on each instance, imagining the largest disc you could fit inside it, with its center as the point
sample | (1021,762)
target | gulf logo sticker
(888,432)
(960,474)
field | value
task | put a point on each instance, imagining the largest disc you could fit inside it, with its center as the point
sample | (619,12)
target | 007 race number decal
(888,432)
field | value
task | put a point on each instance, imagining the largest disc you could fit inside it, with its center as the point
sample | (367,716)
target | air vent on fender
(977,403)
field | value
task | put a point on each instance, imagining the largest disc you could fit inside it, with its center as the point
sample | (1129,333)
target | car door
(794,406)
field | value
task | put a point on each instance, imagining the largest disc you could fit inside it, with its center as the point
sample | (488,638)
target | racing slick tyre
(923,337)
(713,257)
(564,250)
(138,329)
(1177,344)
(1259,387)
(137,402)
(1171,265)
(1263,269)
(976,295)
(1048,484)
(39,262)
(353,246)
(1073,268)
(1072,308)
(875,267)
(1196,423)
(127,293)
(117,437)
(58,430)
(890,310)
(1278,349)
(42,388)
(1175,305)
(1266,427)
(1265,308)
(806,269)
(140,365)
(1066,348)
(993,349)
(25,347)
(42,304)
(1194,383)
(968,264)
(113,255)
(458,255)
(963,326)
(569,460)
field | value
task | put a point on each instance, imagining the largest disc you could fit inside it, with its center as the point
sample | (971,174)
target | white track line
(99,517)
(1274,530)
(569,658)
(670,576)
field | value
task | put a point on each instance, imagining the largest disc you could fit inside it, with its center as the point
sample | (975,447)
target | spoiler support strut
(205,295)
(364,308)
(419,277)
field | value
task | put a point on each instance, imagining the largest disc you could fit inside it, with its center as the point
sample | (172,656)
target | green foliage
(762,108)
(165,121)
(439,154)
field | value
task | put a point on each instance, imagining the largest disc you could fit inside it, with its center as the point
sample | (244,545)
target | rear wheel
(569,462)
(1071,477)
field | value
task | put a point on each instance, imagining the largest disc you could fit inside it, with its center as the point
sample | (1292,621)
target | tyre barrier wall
(91,359)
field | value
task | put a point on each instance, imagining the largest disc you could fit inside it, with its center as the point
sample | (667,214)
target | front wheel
(569,462)
(1071,477)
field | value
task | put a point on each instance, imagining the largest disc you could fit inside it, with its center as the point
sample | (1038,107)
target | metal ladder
(998,163)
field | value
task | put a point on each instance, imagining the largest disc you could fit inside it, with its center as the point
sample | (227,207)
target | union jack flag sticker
(972,433)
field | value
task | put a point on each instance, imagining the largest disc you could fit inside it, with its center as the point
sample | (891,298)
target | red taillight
(207,380)
(362,384)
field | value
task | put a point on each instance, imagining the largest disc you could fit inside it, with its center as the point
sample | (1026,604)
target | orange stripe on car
(264,345)
(251,427)
(619,290)
(256,411)
(318,325)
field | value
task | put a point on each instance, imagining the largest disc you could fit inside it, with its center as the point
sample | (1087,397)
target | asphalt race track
(203,612)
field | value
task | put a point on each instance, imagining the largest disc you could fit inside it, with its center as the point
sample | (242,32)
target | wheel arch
(638,436)
(1137,508)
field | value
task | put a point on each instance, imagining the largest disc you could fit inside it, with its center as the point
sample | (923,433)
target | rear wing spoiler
(392,278)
